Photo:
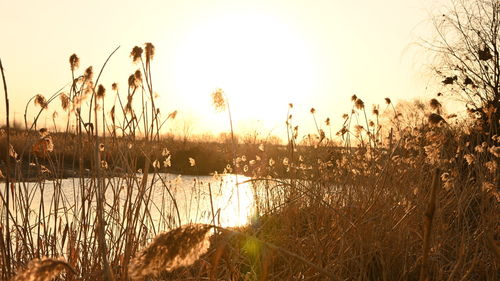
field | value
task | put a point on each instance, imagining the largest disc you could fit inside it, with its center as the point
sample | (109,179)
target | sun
(260,62)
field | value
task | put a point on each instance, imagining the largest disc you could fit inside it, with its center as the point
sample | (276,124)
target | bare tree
(468,45)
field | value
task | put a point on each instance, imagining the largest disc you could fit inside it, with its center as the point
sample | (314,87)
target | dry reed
(45,269)
(168,251)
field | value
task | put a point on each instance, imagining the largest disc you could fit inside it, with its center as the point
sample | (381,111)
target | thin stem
(7,177)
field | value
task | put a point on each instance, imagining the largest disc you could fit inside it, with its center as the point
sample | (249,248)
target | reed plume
(150,52)
(170,250)
(131,81)
(41,101)
(138,77)
(435,119)
(89,73)
(359,104)
(135,80)
(64,101)
(218,100)
(172,115)
(435,105)
(74,62)
(101,91)
(44,269)
(136,54)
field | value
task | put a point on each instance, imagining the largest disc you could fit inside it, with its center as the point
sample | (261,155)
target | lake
(172,199)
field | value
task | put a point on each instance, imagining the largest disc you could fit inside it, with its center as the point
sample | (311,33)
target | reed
(347,206)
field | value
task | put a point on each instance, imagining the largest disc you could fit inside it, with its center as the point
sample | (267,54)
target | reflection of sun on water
(192,197)
(228,202)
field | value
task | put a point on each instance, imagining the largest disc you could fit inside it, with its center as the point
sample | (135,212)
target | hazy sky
(264,54)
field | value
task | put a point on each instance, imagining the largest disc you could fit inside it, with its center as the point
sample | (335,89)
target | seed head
(135,80)
(359,104)
(469,158)
(358,129)
(138,77)
(285,161)
(136,54)
(435,119)
(44,269)
(150,52)
(74,62)
(495,150)
(101,91)
(435,104)
(131,81)
(89,73)
(419,105)
(172,115)
(64,101)
(321,135)
(167,162)
(114,87)
(492,166)
(171,250)
(354,98)
(12,152)
(43,132)
(41,101)
(387,100)
(218,100)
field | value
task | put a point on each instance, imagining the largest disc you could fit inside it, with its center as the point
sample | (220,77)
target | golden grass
(397,194)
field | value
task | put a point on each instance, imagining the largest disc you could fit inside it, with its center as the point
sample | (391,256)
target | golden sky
(263,53)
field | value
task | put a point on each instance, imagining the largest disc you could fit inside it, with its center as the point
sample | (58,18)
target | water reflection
(173,200)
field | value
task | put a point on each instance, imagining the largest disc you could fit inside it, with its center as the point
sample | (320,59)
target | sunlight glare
(260,62)
(230,215)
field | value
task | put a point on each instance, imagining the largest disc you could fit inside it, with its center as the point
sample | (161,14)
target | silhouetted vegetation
(398,192)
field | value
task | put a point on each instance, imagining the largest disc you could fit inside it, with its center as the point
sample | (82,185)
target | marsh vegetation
(397,192)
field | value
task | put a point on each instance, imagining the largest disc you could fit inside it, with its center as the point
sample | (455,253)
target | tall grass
(397,194)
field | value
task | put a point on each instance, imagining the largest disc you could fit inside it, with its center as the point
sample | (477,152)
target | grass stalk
(7,243)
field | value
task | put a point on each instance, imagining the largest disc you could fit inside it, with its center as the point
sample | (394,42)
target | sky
(264,54)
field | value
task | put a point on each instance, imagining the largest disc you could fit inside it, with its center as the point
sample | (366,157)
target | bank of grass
(397,201)
(426,210)
(210,155)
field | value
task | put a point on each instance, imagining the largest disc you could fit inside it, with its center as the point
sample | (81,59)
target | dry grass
(168,251)
(366,203)
(44,269)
